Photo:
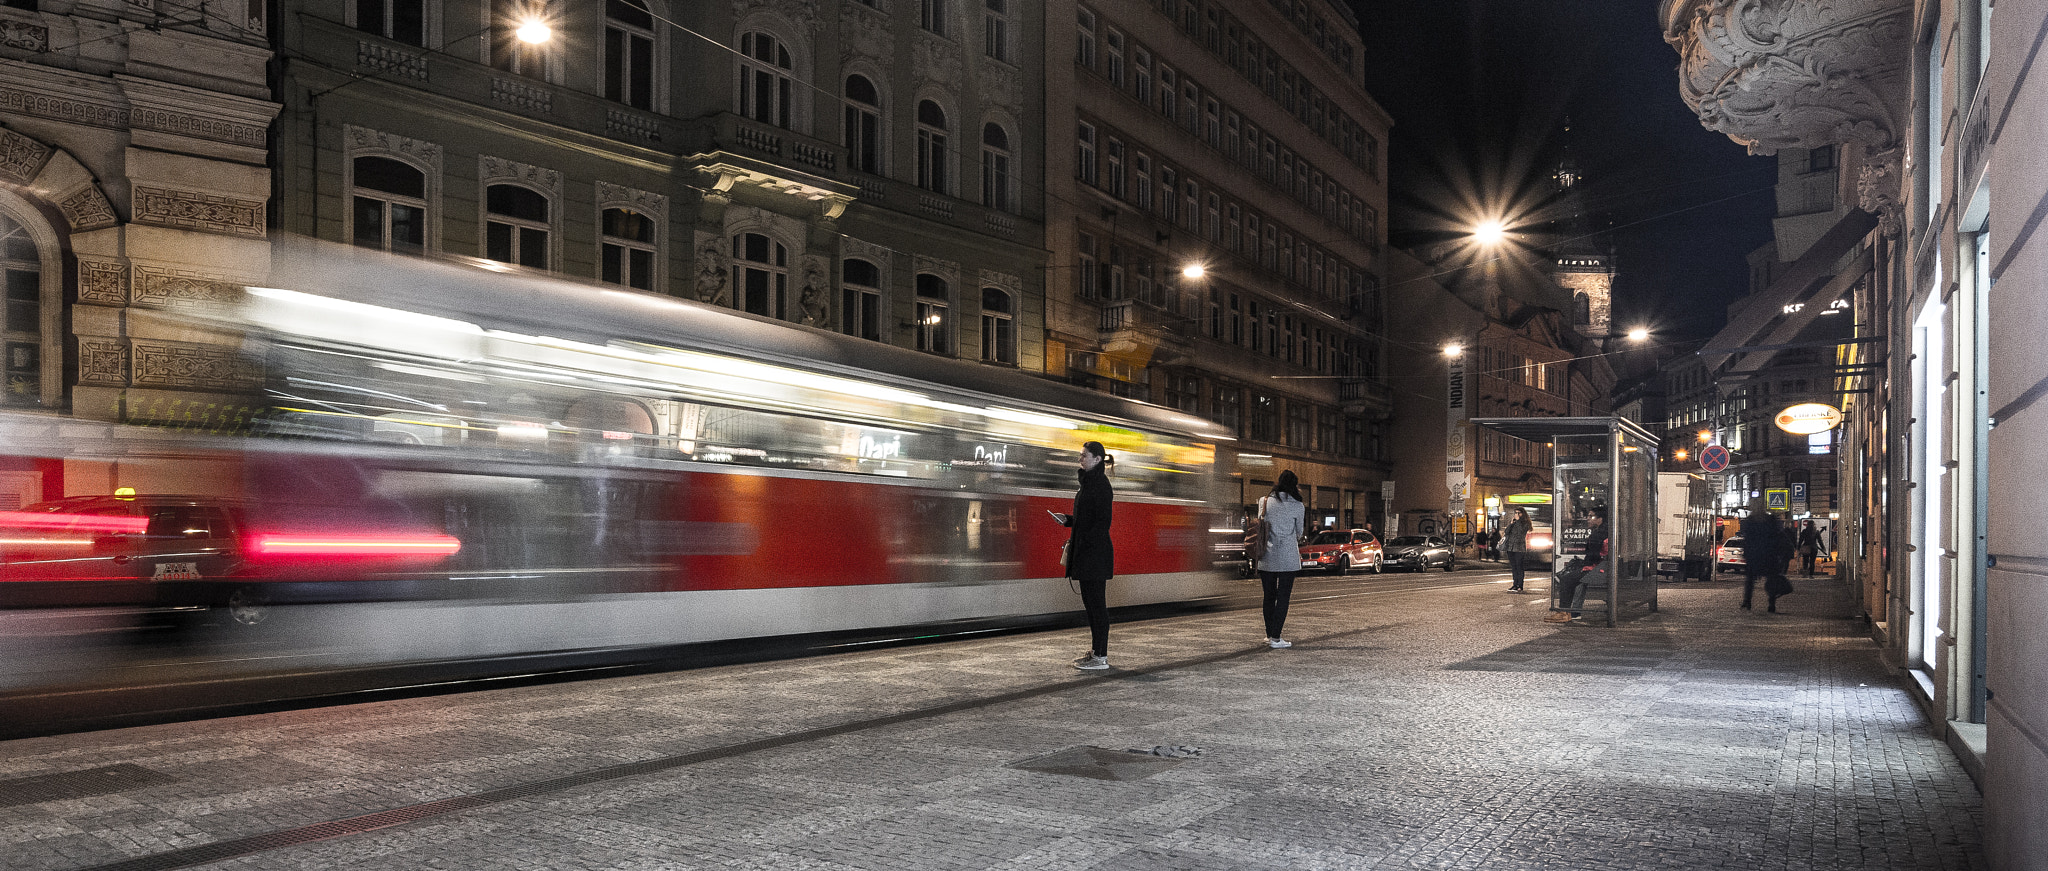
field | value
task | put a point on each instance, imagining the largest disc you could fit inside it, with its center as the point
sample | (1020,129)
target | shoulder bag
(1255,531)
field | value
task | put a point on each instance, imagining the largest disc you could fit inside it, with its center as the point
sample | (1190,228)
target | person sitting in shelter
(1571,591)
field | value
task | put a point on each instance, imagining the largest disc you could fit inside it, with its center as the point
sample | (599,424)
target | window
(1169,194)
(995,169)
(401,20)
(1141,74)
(995,29)
(1191,203)
(1232,133)
(1212,123)
(931,148)
(1226,408)
(516,226)
(1233,227)
(508,51)
(760,273)
(1168,85)
(1084,152)
(629,53)
(1114,40)
(1326,431)
(998,327)
(1142,165)
(863,125)
(626,250)
(1183,392)
(1115,158)
(1085,267)
(1298,424)
(767,85)
(1084,38)
(860,300)
(22,320)
(931,15)
(932,326)
(1265,422)
(390,205)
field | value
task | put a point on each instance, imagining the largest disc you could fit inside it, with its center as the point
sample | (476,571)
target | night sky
(1481,91)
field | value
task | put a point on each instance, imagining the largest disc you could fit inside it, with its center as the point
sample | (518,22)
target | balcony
(1129,325)
(1367,397)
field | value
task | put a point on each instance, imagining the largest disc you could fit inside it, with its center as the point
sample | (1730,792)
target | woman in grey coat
(1284,515)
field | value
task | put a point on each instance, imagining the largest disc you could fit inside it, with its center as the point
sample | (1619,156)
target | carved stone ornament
(714,270)
(21,157)
(197,211)
(1877,190)
(103,362)
(1001,86)
(935,62)
(803,13)
(177,288)
(201,367)
(1776,74)
(24,36)
(1003,280)
(87,209)
(864,34)
(103,282)
(363,141)
(616,196)
(946,269)
(811,306)
(494,170)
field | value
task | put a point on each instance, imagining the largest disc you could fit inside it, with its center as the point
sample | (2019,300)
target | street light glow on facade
(534,31)
(1454,350)
(1193,270)
(1489,232)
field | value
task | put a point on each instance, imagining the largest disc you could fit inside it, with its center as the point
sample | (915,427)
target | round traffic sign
(1713,458)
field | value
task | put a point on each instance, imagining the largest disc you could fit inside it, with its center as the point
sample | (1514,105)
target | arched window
(860,299)
(863,125)
(389,205)
(629,53)
(767,83)
(516,226)
(998,326)
(760,273)
(931,147)
(626,249)
(400,20)
(934,325)
(22,320)
(995,168)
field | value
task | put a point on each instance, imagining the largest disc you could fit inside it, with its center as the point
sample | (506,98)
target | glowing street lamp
(533,31)
(1194,271)
(1489,232)
(1454,350)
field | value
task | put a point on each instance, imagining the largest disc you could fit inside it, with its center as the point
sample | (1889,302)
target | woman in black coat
(1091,559)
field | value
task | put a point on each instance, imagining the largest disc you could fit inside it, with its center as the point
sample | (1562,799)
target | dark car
(1419,552)
(1341,550)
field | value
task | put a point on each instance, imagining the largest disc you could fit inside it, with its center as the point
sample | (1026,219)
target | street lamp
(1194,271)
(1489,232)
(1454,350)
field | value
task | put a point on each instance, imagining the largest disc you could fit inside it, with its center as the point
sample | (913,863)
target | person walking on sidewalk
(1514,542)
(1809,547)
(1282,513)
(1091,558)
(1763,551)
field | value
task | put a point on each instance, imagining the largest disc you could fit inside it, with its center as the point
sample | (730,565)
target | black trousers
(1515,568)
(1095,597)
(1279,588)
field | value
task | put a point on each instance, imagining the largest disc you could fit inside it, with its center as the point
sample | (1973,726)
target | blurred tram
(549,465)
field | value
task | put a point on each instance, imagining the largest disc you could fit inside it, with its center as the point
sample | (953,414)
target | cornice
(1776,74)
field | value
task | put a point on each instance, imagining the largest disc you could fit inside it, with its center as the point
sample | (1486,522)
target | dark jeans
(1807,559)
(1515,568)
(1279,587)
(1095,597)
(1748,586)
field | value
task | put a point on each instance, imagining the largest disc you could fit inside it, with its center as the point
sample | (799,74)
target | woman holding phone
(1091,558)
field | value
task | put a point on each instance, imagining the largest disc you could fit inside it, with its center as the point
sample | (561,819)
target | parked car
(1728,557)
(1340,550)
(1419,552)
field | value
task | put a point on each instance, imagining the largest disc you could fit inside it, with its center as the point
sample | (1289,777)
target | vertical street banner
(1454,433)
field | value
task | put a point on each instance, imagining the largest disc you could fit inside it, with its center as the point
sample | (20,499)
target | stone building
(1929,117)
(1237,137)
(869,168)
(134,187)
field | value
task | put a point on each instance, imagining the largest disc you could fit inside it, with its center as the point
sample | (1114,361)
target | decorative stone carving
(935,62)
(852,248)
(362,140)
(653,205)
(24,36)
(44,105)
(171,288)
(496,170)
(713,270)
(803,13)
(197,211)
(1001,86)
(102,281)
(194,126)
(1002,280)
(1877,190)
(103,361)
(21,157)
(864,34)
(946,269)
(1775,74)
(204,367)
(811,307)
(88,209)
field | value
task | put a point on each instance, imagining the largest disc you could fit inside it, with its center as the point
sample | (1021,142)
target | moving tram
(535,464)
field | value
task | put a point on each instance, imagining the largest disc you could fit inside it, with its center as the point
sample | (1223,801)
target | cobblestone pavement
(1443,728)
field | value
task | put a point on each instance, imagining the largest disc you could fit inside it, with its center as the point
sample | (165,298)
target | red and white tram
(536,464)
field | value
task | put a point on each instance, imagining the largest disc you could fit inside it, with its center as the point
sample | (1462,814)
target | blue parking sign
(1799,495)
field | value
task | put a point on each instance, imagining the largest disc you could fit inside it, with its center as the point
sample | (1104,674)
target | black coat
(1090,555)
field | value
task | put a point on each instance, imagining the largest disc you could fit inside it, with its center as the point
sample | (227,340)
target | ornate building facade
(1238,137)
(134,186)
(1926,107)
(870,168)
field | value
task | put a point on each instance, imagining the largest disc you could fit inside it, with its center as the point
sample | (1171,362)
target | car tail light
(1540,541)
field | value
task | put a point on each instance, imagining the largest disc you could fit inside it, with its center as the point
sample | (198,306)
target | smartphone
(1062,518)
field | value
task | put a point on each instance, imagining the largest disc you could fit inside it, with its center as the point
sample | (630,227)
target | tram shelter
(1605,466)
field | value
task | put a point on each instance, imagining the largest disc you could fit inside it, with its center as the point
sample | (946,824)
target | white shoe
(1277,643)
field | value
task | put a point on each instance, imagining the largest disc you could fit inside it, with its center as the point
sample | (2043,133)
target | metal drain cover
(1099,763)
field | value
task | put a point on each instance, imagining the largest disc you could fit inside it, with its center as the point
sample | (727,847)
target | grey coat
(1285,518)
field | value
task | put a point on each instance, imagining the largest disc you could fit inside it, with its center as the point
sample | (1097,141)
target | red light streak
(355,545)
(74,522)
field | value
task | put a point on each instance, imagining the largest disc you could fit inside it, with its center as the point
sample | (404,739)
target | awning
(1777,314)
(1549,429)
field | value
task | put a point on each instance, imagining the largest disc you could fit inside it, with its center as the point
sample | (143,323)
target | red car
(1338,551)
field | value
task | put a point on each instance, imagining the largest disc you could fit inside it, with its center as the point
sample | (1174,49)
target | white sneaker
(1277,643)
(1091,662)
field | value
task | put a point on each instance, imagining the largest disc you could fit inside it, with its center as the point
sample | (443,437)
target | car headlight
(1539,541)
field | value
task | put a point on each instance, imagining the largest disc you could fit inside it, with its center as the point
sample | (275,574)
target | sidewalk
(1446,728)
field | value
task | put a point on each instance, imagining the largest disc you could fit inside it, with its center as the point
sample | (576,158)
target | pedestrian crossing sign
(1777,499)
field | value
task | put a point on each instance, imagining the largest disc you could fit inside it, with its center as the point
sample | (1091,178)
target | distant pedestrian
(1809,547)
(1282,511)
(1763,550)
(1091,558)
(1514,542)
